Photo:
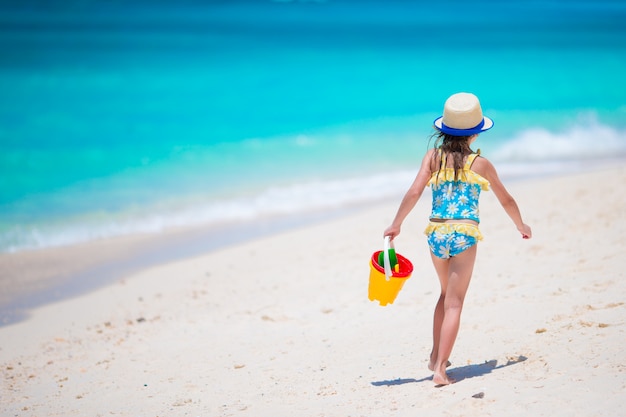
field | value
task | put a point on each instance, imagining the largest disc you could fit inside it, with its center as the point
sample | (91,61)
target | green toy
(393,259)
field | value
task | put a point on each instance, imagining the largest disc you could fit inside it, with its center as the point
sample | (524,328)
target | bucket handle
(387,244)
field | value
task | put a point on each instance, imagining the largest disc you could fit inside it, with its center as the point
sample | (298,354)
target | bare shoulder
(483,167)
(431,160)
(431,153)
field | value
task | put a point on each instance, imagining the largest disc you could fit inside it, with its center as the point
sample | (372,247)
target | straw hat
(462,116)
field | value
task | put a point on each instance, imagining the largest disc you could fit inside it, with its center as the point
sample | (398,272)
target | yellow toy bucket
(385,281)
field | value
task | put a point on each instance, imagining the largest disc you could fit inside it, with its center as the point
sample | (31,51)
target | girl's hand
(525,231)
(392,232)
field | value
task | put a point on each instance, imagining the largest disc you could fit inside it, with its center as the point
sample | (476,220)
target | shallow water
(126,117)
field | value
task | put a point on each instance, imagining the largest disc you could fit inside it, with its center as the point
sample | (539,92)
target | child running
(456,175)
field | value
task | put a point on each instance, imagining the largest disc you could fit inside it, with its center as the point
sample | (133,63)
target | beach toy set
(388,272)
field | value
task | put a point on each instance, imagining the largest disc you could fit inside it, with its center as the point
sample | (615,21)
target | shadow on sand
(458,374)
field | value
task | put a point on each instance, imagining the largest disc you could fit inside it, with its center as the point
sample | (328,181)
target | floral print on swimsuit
(457,198)
(450,239)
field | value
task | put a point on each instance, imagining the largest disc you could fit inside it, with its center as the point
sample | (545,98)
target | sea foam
(532,152)
(583,141)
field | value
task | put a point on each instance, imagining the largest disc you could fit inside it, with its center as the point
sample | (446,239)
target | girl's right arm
(506,200)
(412,195)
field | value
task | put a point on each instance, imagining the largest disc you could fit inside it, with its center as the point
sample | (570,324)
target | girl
(456,175)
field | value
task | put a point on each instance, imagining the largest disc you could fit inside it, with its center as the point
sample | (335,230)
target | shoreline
(34,278)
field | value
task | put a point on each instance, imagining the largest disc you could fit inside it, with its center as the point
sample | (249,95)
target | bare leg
(454,275)
(441,266)
(437,320)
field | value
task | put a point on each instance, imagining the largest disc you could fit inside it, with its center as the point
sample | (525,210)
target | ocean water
(121,117)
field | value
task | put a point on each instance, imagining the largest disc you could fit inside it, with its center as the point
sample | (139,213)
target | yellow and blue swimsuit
(455,199)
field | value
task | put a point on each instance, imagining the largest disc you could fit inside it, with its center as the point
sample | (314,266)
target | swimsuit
(455,199)
(450,239)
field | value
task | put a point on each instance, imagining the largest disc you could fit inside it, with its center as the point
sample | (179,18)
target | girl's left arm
(506,200)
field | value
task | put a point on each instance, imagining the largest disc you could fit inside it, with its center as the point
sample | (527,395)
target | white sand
(282,326)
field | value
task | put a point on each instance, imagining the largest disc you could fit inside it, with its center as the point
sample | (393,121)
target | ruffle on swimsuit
(447,228)
(447,175)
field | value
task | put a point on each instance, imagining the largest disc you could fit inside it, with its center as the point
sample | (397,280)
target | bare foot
(431,365)
(442,379)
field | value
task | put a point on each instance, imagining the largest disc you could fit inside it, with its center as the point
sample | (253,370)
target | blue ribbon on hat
(462,132)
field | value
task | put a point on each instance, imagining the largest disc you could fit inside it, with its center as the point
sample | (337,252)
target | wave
(588,139)
(274,201)
(532,152)
(587,144)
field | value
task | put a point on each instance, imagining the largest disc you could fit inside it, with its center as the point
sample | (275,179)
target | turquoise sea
(121,117)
